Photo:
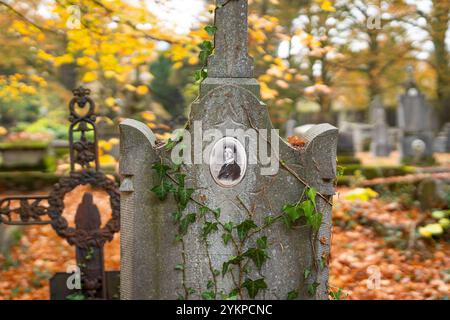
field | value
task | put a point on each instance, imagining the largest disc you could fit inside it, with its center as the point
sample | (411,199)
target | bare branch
(24,18)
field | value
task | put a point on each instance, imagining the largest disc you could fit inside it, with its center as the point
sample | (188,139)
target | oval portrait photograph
(228,162)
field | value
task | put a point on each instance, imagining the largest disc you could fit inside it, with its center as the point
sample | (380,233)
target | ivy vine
(240,236)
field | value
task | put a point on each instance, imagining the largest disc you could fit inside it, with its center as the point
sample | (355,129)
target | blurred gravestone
(219,245)
(380,135)
(345,145)
(414,117)
(431,194)
(290,127)
(442,141)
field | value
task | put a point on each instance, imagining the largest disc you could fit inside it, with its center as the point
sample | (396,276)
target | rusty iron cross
(88,236)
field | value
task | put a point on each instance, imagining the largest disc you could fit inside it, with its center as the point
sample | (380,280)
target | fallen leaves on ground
(358,253)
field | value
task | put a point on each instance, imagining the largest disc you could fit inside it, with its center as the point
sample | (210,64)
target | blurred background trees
(139,57)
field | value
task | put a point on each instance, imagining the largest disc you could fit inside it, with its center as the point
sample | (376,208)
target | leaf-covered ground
(369,238)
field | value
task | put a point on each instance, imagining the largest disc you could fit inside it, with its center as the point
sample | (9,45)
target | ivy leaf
(336,295)
(217,213)
(292,295)
(306,273)
(208,295)
(191,290)
(262,242)
(233,294)
(162,190)
(176,216)
(179,266)
(183,196)
(185,222)
(181,178)
(203,211)
(269,220)
(211,30)
(253,287)
(210,284)
(170,144)
(228,226)
(294,212)
(161,169)
(307,207)
(226,237)
(322,263)
(177,136)
(208,228)
(75,296)
(200,75)
(206,45)
(258,256)
(287,221)
(315,220)
(312,288)
(244,227)
(232,260)
(203,56)
(311,193)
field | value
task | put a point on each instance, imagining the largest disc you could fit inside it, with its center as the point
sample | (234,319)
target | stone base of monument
(417,149)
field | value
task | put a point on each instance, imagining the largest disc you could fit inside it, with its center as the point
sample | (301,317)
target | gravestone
(290,127)
(442,141)
(380,135)
(345,145)
(168,251)
(414,118)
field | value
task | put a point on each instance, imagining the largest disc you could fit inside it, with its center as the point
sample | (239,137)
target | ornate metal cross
(88,236)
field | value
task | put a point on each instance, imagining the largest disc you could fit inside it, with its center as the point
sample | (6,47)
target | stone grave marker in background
(345,145)
(380,135)
(414,117)
(205,231)
(442,141)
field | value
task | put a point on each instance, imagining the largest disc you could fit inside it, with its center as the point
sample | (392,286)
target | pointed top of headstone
(231,59)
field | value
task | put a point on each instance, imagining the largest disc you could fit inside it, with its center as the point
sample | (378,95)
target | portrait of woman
(228,162)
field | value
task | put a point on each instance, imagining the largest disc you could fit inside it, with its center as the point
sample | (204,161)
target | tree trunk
(439,23)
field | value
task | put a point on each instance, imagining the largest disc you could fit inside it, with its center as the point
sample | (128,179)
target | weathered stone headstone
(380,135)
(168,252)
(414,117)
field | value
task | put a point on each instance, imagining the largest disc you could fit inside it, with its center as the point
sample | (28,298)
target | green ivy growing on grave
(207,48)
(250,247)
(249,251)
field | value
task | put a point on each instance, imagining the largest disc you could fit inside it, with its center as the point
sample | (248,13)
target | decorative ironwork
(83,149)
(88,236)
(80,237)
(30,210)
